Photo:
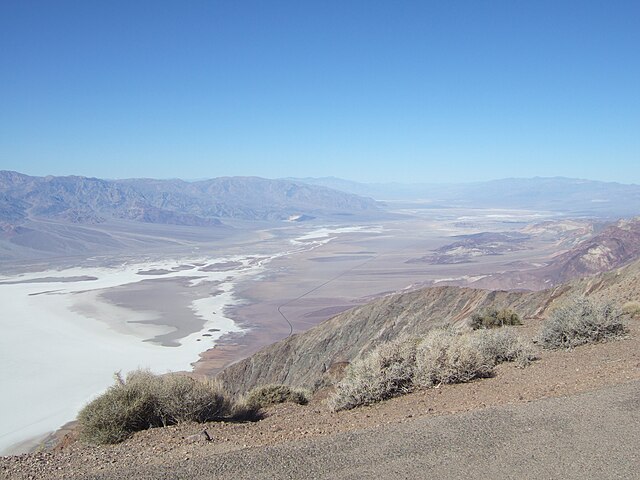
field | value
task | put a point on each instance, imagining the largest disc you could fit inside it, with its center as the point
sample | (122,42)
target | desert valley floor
(209,302)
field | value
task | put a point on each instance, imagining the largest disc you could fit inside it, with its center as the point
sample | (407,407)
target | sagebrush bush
(632,309)
(110,418)
(442,356)
(494,318)
(145,400)
(581,320)
(384,373)
(504,345)
(181,398)
(445,356)
(266,395)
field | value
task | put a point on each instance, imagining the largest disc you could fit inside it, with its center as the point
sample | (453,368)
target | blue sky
(367,90)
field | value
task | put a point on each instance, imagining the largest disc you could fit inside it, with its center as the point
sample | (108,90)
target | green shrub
(266,395)
(494,318)
(384,373)
(579,321)
(145,400)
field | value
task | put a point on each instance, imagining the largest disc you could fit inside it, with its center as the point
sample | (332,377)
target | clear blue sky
(414,91)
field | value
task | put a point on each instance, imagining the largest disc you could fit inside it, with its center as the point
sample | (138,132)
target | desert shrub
(442,356)
(273,394)
(504,345)
(241,411)
(145,400)
(632,309)
(493,318)
(113,416)
(445,356)
(181,398)
(384,373)
(581,320)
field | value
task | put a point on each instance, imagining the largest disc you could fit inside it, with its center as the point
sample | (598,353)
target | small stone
(203,436)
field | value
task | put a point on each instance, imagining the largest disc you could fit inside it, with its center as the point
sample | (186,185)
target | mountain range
(84,200)
(45,216)
(75,214)
(91,200)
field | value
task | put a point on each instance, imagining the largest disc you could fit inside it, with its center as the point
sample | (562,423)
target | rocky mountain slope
(614,246)
(313,358)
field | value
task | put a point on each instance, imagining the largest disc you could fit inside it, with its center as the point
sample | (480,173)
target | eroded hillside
(313,358)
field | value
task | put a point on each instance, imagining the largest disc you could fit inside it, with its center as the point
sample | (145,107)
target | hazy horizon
(333,177)
(409,92)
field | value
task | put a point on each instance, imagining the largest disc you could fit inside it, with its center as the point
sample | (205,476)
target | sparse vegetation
(443,356)
(579,321)
(493,318)
(386,372)
(145,400)
(631,309)
(504,345)
(266,395)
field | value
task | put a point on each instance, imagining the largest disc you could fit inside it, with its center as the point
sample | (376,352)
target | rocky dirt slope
(616,245)
(180,452)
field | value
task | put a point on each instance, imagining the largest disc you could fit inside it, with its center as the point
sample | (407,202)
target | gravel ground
(593,435)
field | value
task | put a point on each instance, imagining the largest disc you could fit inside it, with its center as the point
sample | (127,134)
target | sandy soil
(555,374)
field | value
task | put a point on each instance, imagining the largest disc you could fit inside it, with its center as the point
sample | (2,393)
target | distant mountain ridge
(561,194)
(79,199)
(74,215)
